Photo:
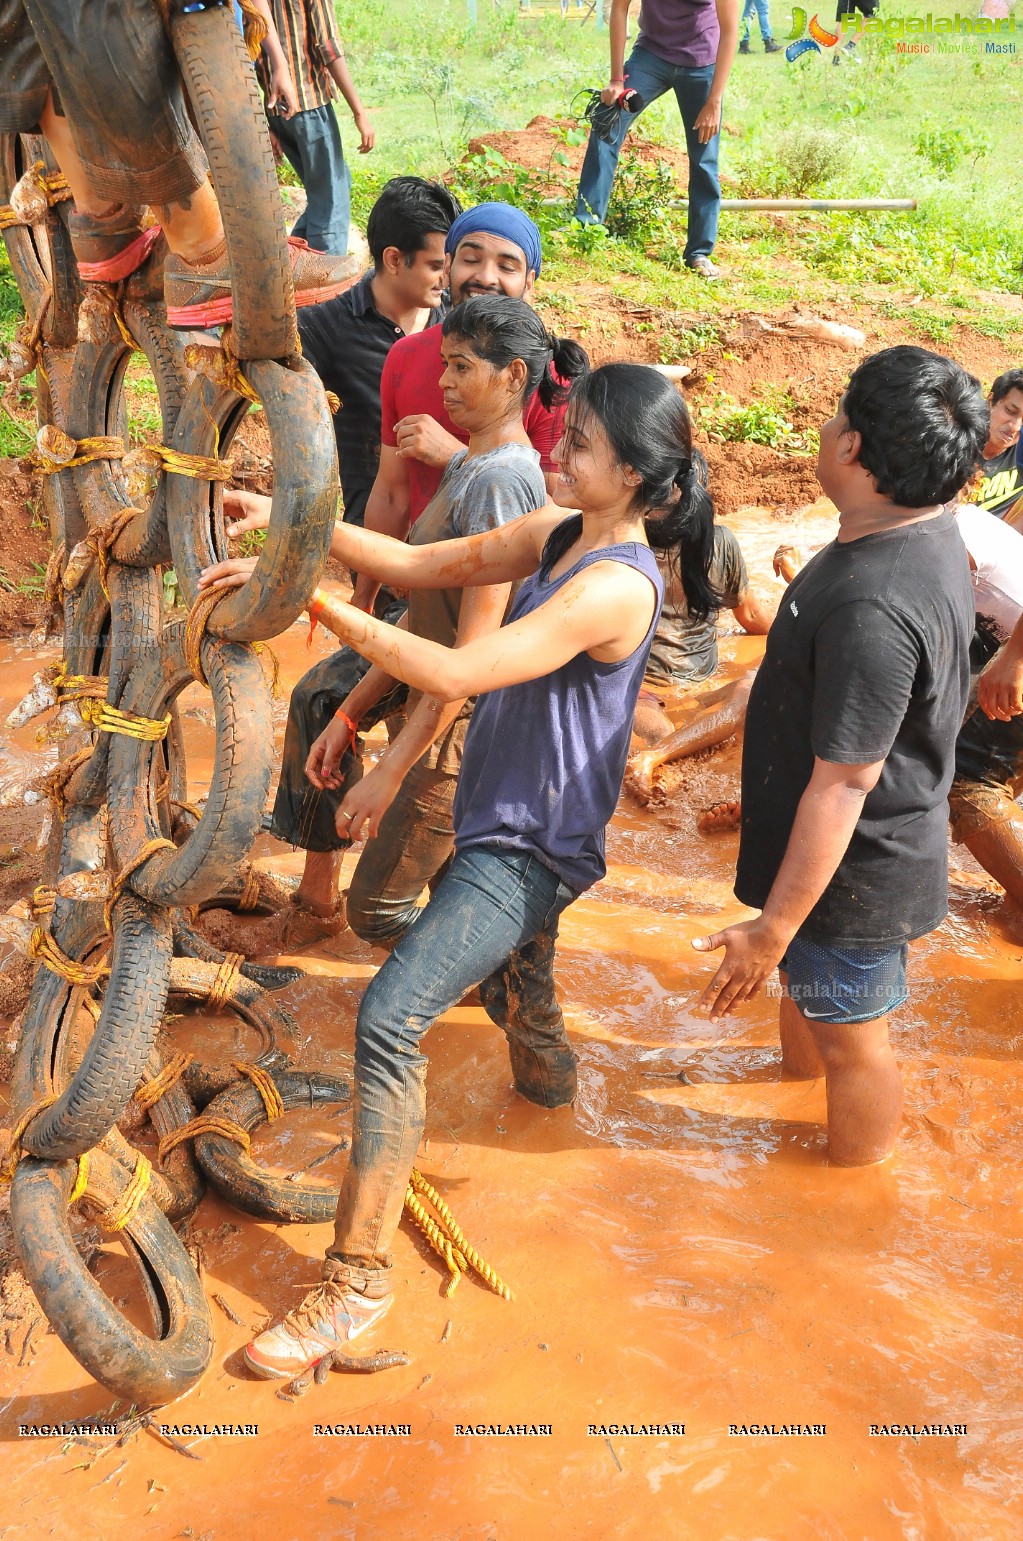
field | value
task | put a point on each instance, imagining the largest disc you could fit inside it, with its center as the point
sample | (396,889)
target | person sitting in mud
(685,652)
(541,773)
(492,250)
(67,73)
(849,746)
(998,488)
(496,352)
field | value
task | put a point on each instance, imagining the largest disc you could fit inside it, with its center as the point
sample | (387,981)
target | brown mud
(680,1250)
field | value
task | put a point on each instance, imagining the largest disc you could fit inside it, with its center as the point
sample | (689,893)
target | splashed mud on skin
(680,1246)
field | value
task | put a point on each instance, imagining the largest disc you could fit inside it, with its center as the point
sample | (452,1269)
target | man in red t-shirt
(494,249)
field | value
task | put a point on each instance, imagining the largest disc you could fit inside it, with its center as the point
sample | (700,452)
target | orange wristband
(353,727)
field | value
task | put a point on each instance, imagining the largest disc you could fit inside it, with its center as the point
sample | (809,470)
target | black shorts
(850,8)
(114,77)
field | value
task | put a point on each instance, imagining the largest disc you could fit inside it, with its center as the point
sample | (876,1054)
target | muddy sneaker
(771,47)
(108,247)
(329,1317)
(704,267)
(744,47)
(198,294)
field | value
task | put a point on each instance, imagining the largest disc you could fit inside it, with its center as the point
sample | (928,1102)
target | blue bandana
(501,219)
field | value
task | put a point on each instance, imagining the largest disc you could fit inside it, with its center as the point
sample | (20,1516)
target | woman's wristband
(353,727)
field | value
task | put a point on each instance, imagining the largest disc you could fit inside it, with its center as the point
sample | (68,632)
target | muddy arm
(710,726)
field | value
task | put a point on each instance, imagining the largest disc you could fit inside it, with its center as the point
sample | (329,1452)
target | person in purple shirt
(541,772)
(685,46)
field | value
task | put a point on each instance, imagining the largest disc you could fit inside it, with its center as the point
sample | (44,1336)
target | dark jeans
(492,922)
(312,142)
(303,816)
(652,77)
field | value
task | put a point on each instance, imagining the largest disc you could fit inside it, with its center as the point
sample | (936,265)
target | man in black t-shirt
(1000,484)
(850,738)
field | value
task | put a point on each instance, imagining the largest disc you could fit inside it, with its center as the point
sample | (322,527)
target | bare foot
(721,819)
(787,562)
(639,774)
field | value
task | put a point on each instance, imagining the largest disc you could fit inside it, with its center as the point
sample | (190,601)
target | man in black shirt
(1000,486)
(849,745)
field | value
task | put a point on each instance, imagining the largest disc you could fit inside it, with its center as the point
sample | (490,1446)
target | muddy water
(680,1250)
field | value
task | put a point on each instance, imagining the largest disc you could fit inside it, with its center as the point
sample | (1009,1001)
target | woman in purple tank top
(541,772)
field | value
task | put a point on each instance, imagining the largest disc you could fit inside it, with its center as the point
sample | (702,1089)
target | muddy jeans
(492,922)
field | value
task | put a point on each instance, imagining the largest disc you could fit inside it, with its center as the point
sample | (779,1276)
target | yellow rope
(255,28)
(8,217)
(438,1241)
(43,899)
(123,1212)
(224,1128)
(138,860)
(54,186)
(195,627)
(103,537)
(452,1232)
(55,784)
(94,1008)
(249,896)
(110,719)
(150,1092)
(43,947)
(264,1083)
(225,980)
(187,808)
(100,447)
(12,1150)
(203,467)
(333,402)
(81,1180)
(122,328)
(78,687)
(263,649)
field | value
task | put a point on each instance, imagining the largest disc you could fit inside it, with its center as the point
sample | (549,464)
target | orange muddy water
(680,1250)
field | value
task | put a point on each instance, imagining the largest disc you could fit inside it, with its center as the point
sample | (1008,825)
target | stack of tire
(85,1046)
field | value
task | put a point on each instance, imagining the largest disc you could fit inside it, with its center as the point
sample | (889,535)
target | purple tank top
(683,32)
(543,761)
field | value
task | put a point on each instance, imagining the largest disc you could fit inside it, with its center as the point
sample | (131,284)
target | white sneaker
(329,1317)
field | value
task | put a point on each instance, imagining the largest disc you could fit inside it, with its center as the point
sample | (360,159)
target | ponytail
(647,424)
(500,329)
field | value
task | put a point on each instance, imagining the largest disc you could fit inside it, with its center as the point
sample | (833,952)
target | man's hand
(753,948)
(1000,687)
(708,121)
(366,803)
(421,437)
(246,511)
(228,575)
(366,131)
(281,96)
(321,766)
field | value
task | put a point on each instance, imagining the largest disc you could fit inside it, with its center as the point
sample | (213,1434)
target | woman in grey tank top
(541,771)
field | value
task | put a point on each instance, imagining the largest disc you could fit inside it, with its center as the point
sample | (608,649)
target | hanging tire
(145,1371)
(237,1177)
(229,116)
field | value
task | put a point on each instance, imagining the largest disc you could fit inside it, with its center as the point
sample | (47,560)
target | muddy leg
(999,849)
(651,725)
(799,1057)
(864,1089)
(707,728)
(520,997)
(318,890)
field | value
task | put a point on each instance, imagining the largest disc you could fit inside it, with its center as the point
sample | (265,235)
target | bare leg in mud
(999,849)
(721,716)
(862,1079)
(318,891)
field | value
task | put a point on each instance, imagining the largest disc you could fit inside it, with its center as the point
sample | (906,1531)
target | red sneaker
(109,247)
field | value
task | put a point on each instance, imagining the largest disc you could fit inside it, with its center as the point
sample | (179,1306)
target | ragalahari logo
(808,39)
(992,32)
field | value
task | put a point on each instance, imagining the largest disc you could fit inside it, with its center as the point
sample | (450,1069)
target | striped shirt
(310,43)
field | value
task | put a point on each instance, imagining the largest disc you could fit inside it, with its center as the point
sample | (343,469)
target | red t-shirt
(410,383)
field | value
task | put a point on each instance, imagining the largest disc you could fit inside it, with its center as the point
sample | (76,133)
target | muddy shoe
(109,247)
(303,927)
(329,1317)
(198,294)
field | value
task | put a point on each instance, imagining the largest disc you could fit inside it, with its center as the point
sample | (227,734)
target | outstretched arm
(605,611)
(498,556)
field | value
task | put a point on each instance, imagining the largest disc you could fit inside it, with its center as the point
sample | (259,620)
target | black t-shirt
(868,659)
(347,340)
(1001,481)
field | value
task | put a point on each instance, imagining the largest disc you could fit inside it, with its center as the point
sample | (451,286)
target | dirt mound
(24,549)
(536,145)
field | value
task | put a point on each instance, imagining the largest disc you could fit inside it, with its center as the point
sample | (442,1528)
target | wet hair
(500,329)
(1011,380)
(923,422)
(407,211)
(646,422)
